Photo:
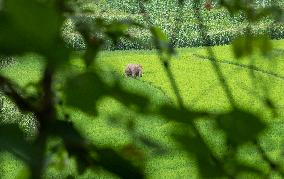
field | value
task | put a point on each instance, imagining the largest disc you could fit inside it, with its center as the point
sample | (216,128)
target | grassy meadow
(200,90)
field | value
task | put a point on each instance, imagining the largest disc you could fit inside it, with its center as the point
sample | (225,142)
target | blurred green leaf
(162,43)
(83,91)
(12,139)
(129,98)
(234,5)
(67,132)
(89,156)
(90,55)
(23,174)
(242,47)
(159,34)
(240,127)
(274,11)
(75,143)
(264,44)
(181,115)
(208,166)
(29,26)
(246,45)
(115,163)
(115,30)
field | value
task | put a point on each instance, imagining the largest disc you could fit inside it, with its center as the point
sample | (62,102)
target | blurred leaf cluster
(34,26)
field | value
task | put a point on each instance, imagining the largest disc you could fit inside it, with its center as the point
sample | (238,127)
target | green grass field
(200,89)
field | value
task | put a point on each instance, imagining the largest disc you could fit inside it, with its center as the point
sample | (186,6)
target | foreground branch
(14,93)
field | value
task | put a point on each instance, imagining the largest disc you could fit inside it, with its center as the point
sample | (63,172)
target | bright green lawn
(200,90)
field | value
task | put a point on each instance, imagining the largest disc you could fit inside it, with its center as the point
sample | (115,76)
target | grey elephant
(133,70)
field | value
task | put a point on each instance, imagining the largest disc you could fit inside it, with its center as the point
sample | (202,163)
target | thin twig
(45,116)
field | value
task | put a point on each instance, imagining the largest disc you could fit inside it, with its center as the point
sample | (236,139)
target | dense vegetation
(177,22)
(207,112)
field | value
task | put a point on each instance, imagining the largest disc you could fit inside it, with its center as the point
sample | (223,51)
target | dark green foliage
(240,127)
(35,27)
(12,139)
(23,31)
(244,46)
(181,115)
(113,162)
(208,166)
(87,87)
